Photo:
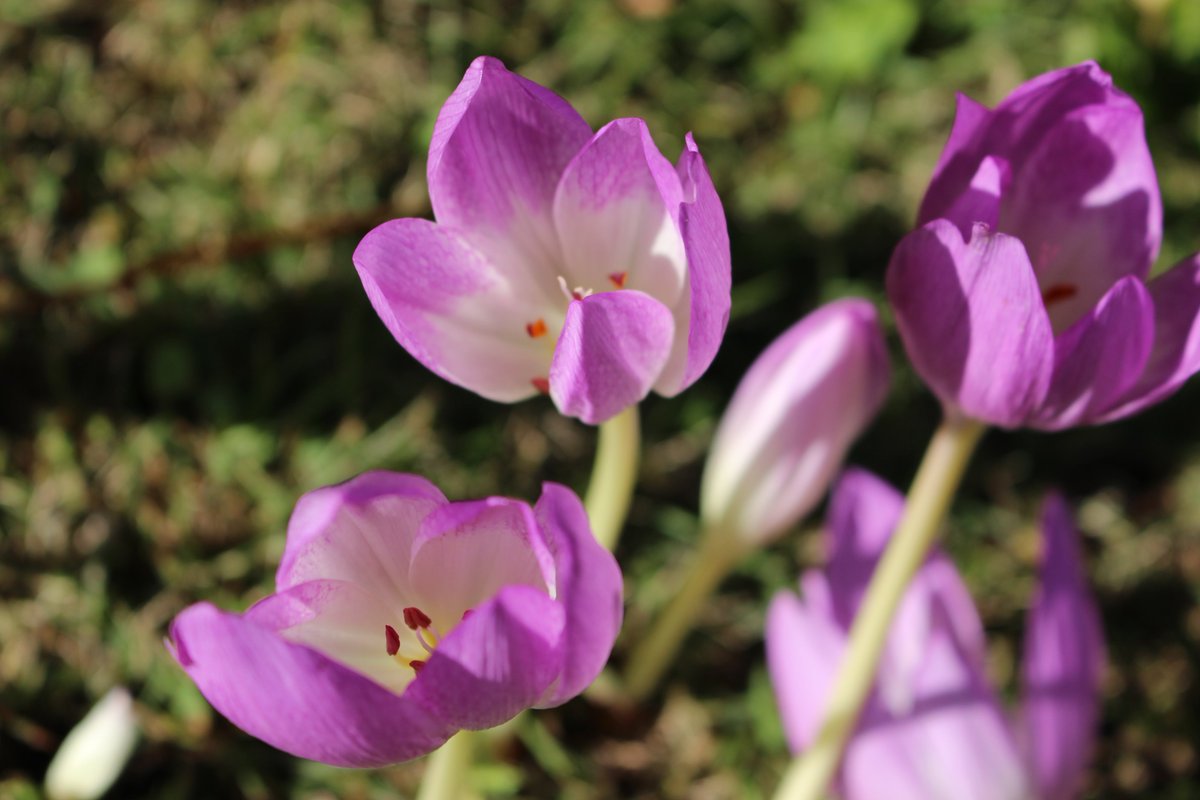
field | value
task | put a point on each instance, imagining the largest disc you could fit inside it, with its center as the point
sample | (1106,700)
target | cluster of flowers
(587,267)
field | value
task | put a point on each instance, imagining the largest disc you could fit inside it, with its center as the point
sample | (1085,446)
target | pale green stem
(613,476)
(928,500)
(446,769)
(717,555)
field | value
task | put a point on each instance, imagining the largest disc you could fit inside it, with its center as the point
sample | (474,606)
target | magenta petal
(296,699)
(495,663)
(804,651)
(589,584)
(980,202)
(1063,663)
(863,512)
(359,531)
(1100,356)
(1086,206)
(1175,356)
(706,243)
(949,740)
(452,309)
(612,348)
(957,166)
(972,320)
(500,144)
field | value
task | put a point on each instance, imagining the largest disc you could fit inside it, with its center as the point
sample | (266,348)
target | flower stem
(446,769)
(717,555)
(929,498)
(613,476)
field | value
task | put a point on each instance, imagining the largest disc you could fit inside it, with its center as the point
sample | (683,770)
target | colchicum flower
(584,266)
(1022,300)
(400,618)
(933,729)
(795,413)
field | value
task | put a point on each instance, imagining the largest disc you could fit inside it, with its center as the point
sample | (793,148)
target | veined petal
(1086,206)
(613,212)
(589,583)
(467,552)
(1063,663)
(972,320)
(453,310)
(359,531)
(339,619)
(499,147)
(804,652)
(1100,357)
(1175,356)
(701,220)
(611,351)
(495,663)
(297,699)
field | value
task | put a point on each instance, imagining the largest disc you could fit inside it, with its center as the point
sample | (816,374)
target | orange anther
(541,384)
(536,328)
(618,279)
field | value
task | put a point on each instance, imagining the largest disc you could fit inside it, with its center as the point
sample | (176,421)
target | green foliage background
(184,348)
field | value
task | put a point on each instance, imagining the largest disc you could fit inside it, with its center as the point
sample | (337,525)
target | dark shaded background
(185,348)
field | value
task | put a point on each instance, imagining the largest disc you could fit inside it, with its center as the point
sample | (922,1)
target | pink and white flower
(576,264)
(400,618)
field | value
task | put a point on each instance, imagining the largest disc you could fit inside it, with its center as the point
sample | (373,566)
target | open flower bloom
(933,728)
(1022,299)
(584,266)
(400,618)
(797,410)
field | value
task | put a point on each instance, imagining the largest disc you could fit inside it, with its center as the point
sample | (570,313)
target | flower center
(537,329)
(1059,292)
(425,634)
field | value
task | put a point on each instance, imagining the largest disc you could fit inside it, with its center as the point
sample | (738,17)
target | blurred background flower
(185,347)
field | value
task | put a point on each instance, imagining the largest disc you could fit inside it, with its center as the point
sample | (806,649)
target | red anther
(618,279)
(393,640)
(1059,292)
(541,384)
(536,328)
(416,618)
(417,664)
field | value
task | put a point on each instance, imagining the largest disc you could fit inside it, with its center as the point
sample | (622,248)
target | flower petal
(804,652)
(496,662)
(341,620)
(613,212)
(453,310)
(588,582)
(499,147)
(359,531)
(296,699)
(701,220)
(611,351)
(980,202)
(1175,356)
(1099,357)
(863,511)
(957,165)
(950,742)
(467,552)
(795,413)
(1063,664)
(972,320)
(1086,205)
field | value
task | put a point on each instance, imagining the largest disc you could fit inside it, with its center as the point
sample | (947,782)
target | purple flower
(584,266)
(400,618)
(933,728)
(798,409)
(1022,298)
